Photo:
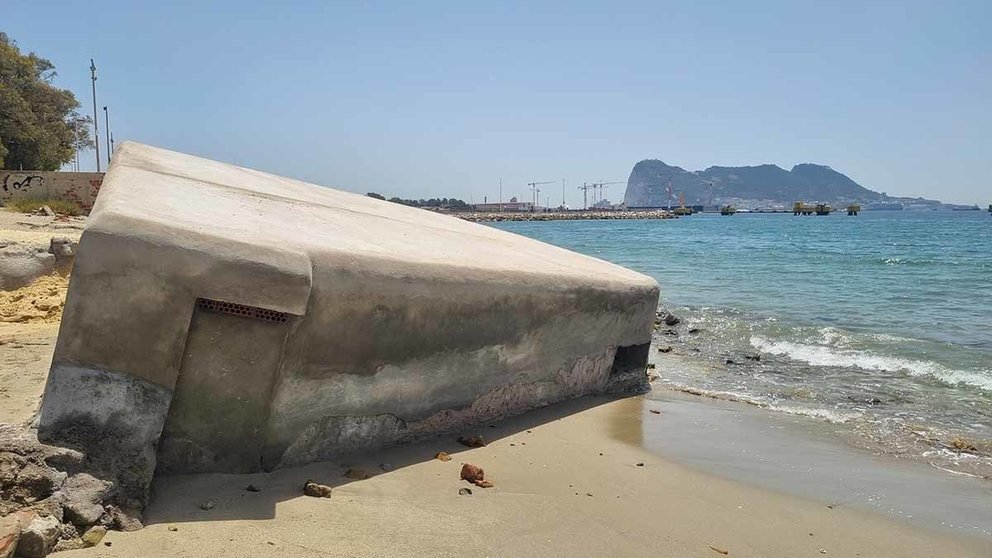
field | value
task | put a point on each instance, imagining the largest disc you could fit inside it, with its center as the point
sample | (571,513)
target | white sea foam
(820,355)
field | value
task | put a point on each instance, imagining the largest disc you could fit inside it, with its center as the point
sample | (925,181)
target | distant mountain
(762,185)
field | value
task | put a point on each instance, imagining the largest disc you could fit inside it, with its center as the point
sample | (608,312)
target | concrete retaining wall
(79,187)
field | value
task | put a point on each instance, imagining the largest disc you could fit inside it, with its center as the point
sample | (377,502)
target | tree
(40,128)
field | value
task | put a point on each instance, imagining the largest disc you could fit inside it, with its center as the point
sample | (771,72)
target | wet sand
(568,483)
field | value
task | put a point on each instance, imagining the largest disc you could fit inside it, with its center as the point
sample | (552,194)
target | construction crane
(600,186)
(585,189)
(536,191)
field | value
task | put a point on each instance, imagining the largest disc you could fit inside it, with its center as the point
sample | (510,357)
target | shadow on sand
(179,498)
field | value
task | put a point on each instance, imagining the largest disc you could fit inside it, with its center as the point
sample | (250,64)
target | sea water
(878,324)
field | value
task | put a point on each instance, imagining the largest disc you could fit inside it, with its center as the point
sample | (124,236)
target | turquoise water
(879,322)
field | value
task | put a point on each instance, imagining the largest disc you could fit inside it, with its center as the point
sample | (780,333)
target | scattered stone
(650,366)
(34,482)
(107,543)
(730,361)
(654,411)
(720,550)
(664,349)
(670,332)
(94,535)
(472,473)
(640,464)
(74,543)
(442,456)
(84,497)
(672,320)
(756,358)
(47,211)
(173,528)
(589,494)
(38,538)
(483,484)
(472,441)
(10,530)
(208,505)
(117,519)
(386,467)
(357,474)
(315,490)
(253,488)
(464,491)
(694,330)
(823,551)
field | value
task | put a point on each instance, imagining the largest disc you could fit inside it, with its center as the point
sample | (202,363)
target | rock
(74,543)
(84,496)
(670,333)
(483,484)
(640,464)
(357,474)
(730,361)
(94,535)
(464,491)
(173,528)
(664,349)
(10,531)
(442,456)
(654,411)
(650,366)
(472,473)
(756,358)
(315,490)
(35,482)
(472,441)
(720,550)
(8,541)
(38,538)
(672,320)
(208,505)
(121,521)
(694,330)
(47,211)
(10,465)
(386,467)
(253,488)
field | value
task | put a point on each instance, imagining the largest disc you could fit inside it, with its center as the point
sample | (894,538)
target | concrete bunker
(227,320)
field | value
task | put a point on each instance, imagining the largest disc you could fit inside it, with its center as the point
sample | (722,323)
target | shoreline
(572,479)
(487,217)
(567,481)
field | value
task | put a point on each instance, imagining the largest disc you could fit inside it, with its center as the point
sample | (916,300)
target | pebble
(315,490)
(208,505)
(442,456)
(465,491)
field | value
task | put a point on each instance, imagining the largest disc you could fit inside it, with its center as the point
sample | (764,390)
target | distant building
(512,205)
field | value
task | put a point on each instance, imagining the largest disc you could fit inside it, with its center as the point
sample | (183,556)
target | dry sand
(568,483)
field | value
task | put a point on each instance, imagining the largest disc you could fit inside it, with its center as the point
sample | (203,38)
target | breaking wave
(819,355)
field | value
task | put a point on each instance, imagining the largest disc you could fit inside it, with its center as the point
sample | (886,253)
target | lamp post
(96,122)
(106,115)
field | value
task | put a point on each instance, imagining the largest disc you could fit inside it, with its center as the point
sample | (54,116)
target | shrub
(29,205)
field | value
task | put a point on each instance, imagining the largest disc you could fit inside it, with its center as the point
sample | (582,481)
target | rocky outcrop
(648,185)
(54,498)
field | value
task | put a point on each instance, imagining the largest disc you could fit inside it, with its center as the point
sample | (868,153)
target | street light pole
(106,115)
(96,122)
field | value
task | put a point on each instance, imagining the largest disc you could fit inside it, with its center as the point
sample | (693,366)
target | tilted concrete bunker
(225,319)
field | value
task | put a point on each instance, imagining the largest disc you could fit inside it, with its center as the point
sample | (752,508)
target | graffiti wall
(80,187)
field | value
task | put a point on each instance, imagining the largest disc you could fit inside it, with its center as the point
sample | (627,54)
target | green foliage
(40,128)
(376,196)
(30,205)
(445,203)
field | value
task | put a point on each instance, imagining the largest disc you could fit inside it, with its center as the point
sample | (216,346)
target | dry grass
(29,205)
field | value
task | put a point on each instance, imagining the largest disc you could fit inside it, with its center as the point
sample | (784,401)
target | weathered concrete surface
(388,323)
(79,187)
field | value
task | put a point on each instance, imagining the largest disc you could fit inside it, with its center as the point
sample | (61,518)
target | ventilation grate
(221,307)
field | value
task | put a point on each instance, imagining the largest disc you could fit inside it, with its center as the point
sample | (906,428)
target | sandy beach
(570,480)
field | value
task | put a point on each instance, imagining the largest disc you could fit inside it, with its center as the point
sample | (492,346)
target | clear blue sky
(442,99)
